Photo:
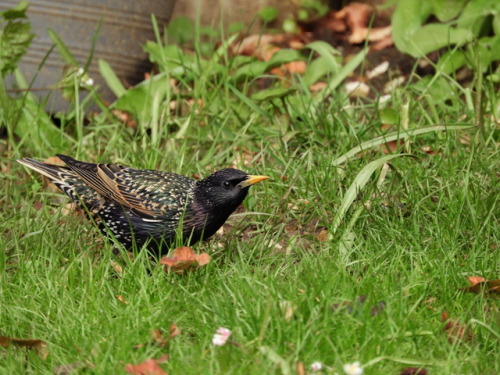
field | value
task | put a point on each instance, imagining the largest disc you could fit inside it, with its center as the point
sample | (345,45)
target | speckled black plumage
(147,206)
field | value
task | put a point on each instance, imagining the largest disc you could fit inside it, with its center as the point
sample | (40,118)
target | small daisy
(316,366)
(353,368)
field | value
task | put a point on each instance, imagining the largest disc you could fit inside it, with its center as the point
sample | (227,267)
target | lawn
(346,254)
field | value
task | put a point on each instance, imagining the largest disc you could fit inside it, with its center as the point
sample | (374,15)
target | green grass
(406,238)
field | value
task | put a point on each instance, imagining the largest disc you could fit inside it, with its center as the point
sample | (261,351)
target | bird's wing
(146,192)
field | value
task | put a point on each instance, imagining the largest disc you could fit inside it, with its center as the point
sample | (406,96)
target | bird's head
(225,189)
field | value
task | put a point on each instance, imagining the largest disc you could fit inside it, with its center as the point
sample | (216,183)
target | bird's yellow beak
(252,180)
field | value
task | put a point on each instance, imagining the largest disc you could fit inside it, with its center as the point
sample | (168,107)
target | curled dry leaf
(184,258)
(39,346)
(148,367)
(480,285)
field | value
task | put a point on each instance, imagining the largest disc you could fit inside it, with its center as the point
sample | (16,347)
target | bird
(142,207)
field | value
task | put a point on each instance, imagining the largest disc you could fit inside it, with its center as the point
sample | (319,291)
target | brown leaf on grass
(261,46)
(413,371)
(183,259)
(38,205)
(455,330)
(148,367)
(357,17)
(39,346)
(174,331)
(293,67)
(122,300)
(480,285)
(118,268)
(125,117)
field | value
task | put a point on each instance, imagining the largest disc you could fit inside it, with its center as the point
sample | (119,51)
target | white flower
(89,82)
(316,366)
(223,331)
(220,338)
(353,368)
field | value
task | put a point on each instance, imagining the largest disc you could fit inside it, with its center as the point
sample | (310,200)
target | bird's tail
(56,173)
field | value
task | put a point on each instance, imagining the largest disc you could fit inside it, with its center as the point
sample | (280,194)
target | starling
(147,206)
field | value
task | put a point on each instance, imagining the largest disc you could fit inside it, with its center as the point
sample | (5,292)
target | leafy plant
(15,37)
(459,23)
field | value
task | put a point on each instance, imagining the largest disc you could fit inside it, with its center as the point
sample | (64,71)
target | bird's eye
(226,185)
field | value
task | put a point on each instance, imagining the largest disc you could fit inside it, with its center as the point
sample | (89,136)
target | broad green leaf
(389,116)
(268,14)
(445,10)
(475,14)
(111,78)
(180,30)
(19,11)
(451,61)
(319,68)
(284,56)
(432,37)
(249,71)
(407,18)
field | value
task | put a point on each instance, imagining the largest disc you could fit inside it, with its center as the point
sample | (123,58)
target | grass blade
(400,134)
(357,185)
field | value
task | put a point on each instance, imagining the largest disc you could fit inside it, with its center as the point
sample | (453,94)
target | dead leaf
(322,236)
(122,300)
(39,346)
(117,267)
(480,285)
(38,205)
(148,367)
(318,86)
(184,258)
(455,330)
(288,309)
(413,371)
(174,331)
(125,117)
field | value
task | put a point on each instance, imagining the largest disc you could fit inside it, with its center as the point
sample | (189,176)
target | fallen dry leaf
(184,258)
(117,267)
(39,346)
(148,367)
(122,300)
(455,330)
(480,285)
(174,331)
